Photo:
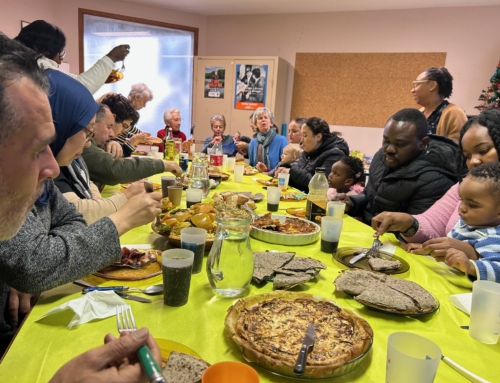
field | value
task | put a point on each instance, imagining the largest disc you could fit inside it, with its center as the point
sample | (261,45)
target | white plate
(286,239)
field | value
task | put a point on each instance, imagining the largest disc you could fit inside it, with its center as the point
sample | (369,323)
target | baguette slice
(184,368)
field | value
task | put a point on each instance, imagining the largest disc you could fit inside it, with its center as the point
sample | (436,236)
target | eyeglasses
(176,119)
(416,82)
(62,54)
(90,135)
(125,126)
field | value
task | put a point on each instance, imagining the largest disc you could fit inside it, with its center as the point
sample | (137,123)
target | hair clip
(358,174)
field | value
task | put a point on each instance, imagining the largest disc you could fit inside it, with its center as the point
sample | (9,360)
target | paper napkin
(462,301)
(94,305)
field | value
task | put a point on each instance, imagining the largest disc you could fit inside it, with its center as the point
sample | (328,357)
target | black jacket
(411,189)
(329,152)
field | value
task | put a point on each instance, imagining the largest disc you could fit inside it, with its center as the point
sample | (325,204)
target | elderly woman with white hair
(218,126)
(172,119)
(267,147)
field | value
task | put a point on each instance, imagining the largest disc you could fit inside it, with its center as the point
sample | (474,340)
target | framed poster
(214,82)
(250,89)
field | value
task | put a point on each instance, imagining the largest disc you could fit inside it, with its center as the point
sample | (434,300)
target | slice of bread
(184,368)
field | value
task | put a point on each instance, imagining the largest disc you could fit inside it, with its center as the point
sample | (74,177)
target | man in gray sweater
(44,242)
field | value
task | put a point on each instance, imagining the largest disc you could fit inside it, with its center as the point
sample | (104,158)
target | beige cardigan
(97,207)
(451,122)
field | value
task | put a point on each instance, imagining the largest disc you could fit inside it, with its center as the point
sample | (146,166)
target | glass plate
(345,254)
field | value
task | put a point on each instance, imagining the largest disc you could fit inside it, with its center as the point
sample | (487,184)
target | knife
(307,345)
(106,288)
(124,296)
(358,257)
(373,251)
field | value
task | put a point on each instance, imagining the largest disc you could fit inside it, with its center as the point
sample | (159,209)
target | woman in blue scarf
(268,146)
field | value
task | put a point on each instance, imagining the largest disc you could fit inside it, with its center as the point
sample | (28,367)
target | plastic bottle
(169,144)
(216,158)
(317,198)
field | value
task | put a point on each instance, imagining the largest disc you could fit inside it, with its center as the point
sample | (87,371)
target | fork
(373,251)
(122,69)
(126,324)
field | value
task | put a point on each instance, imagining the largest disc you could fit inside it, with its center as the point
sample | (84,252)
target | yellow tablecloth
(41,347)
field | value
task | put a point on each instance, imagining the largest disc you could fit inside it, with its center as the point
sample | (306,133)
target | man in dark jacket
(409,173)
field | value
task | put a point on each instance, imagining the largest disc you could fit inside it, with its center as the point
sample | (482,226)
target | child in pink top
(345,177)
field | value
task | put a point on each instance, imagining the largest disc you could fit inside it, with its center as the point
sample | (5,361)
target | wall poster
(250,89)
(214,82)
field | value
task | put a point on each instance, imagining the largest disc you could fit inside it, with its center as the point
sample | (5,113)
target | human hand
(173,168)
(391,221)
(282,170)
(19,305)
(119,52)
(236,137)
(139,210)
(116,361)
(342,197)
(438,247)
(242,147)
(414,248)
(457,258)
(139,138)
(115,148)
(134,189)
(261,167)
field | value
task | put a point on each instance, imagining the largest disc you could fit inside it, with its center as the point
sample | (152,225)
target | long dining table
(43,345)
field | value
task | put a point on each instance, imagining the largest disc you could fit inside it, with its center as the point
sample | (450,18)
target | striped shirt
(486,242)
(124,136)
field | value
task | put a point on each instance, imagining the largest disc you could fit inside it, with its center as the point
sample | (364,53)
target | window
(161,56)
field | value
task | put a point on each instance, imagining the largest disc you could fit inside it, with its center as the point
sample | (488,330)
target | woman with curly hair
(479,143)
(431,90)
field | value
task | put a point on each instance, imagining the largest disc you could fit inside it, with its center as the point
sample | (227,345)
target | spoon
(151,290)
(250,210)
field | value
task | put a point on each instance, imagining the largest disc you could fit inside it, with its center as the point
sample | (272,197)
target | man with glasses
(172,119)
(104,168)
(27,166)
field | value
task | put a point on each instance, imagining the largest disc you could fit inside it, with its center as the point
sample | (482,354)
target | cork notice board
(357,89)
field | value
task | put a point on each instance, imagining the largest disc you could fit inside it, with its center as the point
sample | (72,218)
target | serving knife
(307,345)
(79,282)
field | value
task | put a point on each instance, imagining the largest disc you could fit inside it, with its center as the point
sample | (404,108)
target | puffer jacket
(412,188)
(329,152)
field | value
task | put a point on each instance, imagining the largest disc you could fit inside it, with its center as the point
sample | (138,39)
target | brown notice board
(357,89)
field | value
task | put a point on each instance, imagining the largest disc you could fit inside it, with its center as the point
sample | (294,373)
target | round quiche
(270,329)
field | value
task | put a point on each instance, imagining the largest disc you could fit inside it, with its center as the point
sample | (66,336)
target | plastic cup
(335,209)
(175,194)
(230,372)
(485,312)
(273,198)
(224,161)
(193,196)
(238,173)
(283,179)
(230,164)
(331,228)
(176,266)
(155,149)
(158,155)
(166,181)
(411,358)
(193,238)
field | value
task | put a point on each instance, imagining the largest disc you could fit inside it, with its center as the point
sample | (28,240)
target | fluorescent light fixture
(122,34)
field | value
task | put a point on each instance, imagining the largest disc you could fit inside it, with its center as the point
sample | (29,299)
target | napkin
(94,305)
(462,301)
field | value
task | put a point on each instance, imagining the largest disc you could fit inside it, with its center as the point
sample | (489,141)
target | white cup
(411,358)
(273,198)
(238,173)
(224,161)
(230,164)
(193,196)
(335,209)
(158,155)
(154,149)
(485,312)
(283,179)
(331,227)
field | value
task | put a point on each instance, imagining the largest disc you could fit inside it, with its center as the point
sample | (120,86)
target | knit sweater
(104,168)
(486,242)
(439,219)
(92,78)
(451,121)
(53,247)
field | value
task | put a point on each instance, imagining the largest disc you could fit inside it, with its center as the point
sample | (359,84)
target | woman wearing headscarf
(74,111)
(267,147)
(431,90)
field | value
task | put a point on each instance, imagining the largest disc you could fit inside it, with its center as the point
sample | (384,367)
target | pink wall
(469,35)
(64,14)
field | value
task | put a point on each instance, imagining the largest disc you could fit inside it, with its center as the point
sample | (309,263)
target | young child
(479,224)
(345,177)
(290,153)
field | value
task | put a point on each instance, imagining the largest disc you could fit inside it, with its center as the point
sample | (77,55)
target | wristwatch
(412,230)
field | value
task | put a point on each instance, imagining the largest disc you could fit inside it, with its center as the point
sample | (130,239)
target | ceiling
(249,7)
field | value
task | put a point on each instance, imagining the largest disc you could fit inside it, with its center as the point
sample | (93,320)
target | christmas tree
(490,98)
